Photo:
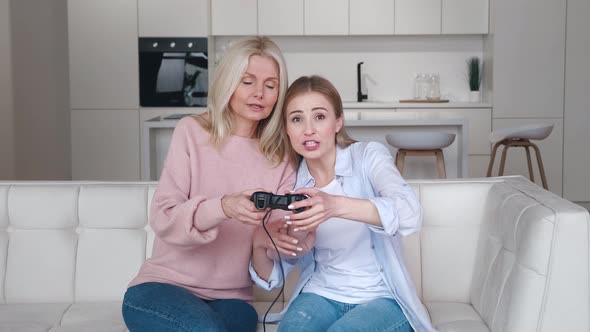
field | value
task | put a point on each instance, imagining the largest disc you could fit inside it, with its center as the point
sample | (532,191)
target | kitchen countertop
(396,104)
(157,132)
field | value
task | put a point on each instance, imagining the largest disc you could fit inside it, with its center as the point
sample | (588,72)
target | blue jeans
(310,313)
(153,306)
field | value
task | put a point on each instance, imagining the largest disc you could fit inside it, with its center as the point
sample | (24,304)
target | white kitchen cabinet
(280,17)
(417,17)
(551,153)
(528,59)
(326,17)
(102,38)
(105,145)
(234,17)
(576,156)
(465,16)
(371,17)
(173,18)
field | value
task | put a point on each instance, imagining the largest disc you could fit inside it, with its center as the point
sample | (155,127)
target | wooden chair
(520,137)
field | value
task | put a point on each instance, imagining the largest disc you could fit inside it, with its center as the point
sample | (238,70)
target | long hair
(318,84)
(228,75)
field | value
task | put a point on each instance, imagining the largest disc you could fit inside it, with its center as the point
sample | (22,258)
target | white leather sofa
(498,254)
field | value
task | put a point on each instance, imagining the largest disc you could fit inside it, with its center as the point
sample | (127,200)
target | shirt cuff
(274,280)
(389,220)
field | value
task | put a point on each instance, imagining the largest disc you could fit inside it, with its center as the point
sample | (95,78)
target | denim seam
(397,326)
(150,311)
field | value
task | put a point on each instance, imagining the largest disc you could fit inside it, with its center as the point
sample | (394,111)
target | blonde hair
(314,83)
(228,75)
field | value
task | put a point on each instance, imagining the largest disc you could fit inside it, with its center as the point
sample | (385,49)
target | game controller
(263,200)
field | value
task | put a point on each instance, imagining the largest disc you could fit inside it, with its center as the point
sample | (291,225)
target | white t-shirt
(346,269)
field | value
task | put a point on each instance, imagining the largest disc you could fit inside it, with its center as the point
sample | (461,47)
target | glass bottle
(421,86)
(417,85)
(434,87)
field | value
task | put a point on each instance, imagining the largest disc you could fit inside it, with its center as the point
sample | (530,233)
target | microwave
(173,72)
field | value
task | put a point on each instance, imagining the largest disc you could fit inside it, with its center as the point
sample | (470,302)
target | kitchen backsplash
(390,62)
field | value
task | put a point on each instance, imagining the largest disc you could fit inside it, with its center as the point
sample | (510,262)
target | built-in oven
(173,72)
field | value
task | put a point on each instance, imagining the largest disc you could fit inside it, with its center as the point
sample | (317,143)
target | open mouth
(311,145)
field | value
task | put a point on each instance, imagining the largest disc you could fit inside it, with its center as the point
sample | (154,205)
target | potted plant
(474,71)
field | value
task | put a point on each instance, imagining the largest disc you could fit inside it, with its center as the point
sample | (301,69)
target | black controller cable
(264,221)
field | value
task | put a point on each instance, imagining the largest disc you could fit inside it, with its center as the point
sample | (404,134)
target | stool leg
(400,159)
(440,161)
(529,163)
(503,160)
(492,157)
(541,169)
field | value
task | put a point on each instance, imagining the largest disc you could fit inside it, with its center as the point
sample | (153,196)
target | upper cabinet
(280,17)
(326,17)
(234,17)
(348,17)
(102,37)
(417,17)
(173,18)
(465,16)
(371,17)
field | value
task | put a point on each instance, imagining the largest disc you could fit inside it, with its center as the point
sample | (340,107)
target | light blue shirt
(367,171)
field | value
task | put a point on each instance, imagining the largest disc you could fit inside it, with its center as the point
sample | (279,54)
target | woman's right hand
(288,245)
(239,206)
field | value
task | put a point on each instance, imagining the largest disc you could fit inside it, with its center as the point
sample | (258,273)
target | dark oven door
(173,72)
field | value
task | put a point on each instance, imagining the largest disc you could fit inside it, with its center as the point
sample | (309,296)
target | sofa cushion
(453,214)
(104,312)
(4,206)
(107,261)
(3,257)
(113,206)
(91,327)
(455,317)
(31,316)
(43,206)
(269,327)
(23,327)
(40,266)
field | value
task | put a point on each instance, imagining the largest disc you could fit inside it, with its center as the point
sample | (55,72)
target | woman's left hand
(319,207)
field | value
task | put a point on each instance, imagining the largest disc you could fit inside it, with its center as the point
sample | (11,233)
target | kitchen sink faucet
(359,94)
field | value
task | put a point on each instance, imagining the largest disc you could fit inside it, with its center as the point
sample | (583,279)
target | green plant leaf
(474,73)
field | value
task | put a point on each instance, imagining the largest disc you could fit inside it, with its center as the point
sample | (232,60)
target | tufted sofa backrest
(71,242)
(517,253)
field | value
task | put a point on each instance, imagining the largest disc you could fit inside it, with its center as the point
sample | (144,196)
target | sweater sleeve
(173,212)
(398,207)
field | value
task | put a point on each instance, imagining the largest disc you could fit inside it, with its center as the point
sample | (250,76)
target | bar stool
(420,143)
(520,136)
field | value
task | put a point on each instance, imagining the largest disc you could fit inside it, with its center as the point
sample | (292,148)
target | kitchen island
(157,134)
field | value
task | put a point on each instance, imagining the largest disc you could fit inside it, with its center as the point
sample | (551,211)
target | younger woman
(354,279)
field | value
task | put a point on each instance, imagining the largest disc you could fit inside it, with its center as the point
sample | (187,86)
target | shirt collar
(343,167)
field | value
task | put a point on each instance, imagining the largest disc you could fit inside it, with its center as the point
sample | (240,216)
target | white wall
(6,103)
(40,80)
(390,62)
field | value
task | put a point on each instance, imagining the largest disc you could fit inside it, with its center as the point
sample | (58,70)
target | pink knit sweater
(212,264)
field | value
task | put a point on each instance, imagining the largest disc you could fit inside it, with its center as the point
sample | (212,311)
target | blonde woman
(354,279)
(197,277)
